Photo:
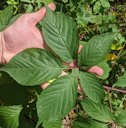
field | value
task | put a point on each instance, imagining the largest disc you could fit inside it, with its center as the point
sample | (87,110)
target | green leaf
(0,75)
(9,116)
(33,67)
(12,20)
(105,3)
(5,16)
(121,82)
(46,2)
(96,49)
(121,118)
(58,99)
(88,123)
(97,7)
(97,111)
(106,69)
(53,124)
(92,87)
(60,34)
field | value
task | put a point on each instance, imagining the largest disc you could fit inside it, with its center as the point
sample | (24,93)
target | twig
(110,101)
(114,89)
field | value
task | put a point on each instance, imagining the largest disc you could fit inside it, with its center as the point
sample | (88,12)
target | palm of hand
(23,33)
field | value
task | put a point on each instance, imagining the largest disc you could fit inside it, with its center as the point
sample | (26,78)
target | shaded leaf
(9,116)
(97,111)
(121,82)
(60,34)
(88,123)
(92,87)
(58,99)
(53,124)
(11,92)
(121,118)
(33,66)
(5,16)
(96,49)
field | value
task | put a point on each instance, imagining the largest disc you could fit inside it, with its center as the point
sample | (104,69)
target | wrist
(2,43)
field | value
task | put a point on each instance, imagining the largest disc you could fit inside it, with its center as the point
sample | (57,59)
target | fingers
(52,6)
(45,85)
(80,48)
(35,17)
(96,70)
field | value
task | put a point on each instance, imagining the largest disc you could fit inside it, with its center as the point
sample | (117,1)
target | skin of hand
(23,33)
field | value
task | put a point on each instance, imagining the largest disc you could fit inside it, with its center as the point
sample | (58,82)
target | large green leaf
(88,123)
(121,82)
(58,99)
(5,17)
(96,49)
(97,111)
(52,124)
(60,34)
(9,116)
(33,66)
(121,118)
(92,87)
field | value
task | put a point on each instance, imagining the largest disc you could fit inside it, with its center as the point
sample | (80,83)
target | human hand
(23,34)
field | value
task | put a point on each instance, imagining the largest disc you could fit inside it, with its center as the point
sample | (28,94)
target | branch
(114,89)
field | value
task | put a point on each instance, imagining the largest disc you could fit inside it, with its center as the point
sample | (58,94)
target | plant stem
(118,56)
(110,101)
(114,89)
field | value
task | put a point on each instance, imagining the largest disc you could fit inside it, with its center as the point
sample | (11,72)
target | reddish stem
(114,89)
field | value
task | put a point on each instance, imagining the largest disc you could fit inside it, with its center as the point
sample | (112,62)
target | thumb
(96,70)
(35,17)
